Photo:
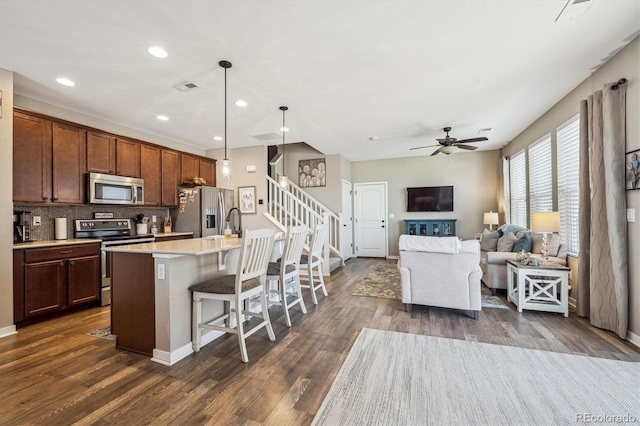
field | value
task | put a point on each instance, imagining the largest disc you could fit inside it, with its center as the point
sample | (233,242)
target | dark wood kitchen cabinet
(189,168)
(150,172)
(208,171)
(31,158)
(101,153)
(48,161)
(127,158)
(53,279)
(170,178)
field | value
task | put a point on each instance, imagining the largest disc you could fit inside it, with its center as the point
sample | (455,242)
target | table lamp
(490,219)
(545,222)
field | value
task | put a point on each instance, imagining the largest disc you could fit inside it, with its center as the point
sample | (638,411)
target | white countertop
(190,247)
(54,243)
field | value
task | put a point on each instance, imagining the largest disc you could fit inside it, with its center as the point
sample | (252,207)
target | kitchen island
(151,301)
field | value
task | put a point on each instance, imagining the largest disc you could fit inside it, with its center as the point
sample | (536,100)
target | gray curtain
(603,282)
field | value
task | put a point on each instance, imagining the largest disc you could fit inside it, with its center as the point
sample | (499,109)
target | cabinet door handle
(62,263)
(54,199)
(66,251)
(72,262)
(45,198)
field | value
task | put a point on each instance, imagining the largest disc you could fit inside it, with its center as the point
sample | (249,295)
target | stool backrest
(296,238)
(255,252)
(318,238)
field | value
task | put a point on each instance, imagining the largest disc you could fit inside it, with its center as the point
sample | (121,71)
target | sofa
(448,278)
(494,262)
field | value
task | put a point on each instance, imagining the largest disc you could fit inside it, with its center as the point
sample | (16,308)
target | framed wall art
(247,199)
(312,173)
(632,169)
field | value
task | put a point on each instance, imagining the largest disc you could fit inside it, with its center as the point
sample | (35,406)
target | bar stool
(314,260)
(286,271)
(249,280)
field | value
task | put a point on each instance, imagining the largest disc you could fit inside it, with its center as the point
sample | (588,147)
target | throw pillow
(507,241)
(523,243)
(489,241)
(506,228)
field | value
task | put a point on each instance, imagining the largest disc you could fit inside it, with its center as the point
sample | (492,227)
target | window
(568,168)
(518,190)
(540,176)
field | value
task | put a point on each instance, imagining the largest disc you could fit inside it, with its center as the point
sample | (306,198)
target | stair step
(334,263)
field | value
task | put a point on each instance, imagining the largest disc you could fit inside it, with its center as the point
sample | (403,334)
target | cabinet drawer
(61,252)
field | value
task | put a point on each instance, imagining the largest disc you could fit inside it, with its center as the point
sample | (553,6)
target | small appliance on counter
(22,227)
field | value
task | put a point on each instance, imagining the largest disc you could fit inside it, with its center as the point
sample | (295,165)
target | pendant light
(284,181)
(225,170)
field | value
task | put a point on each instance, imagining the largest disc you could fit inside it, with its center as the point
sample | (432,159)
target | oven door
(105,264)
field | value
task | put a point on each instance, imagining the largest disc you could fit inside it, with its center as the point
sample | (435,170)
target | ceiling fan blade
(469,147)
(421,147)
(473,140)
(437,151)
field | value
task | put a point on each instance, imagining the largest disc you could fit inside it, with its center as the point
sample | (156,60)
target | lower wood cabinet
(52,279)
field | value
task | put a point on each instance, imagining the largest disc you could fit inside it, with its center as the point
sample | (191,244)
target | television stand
(430,227)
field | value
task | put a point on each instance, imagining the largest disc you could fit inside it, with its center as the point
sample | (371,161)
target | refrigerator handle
(222,212)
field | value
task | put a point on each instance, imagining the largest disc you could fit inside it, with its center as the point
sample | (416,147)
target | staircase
(292,206)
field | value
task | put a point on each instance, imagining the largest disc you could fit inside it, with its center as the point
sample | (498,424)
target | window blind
(568,175)
(518,189)
(540,176)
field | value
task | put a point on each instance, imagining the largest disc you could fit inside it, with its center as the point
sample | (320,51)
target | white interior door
(346,229)
(371,219)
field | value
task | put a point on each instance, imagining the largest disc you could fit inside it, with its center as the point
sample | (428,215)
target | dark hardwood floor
(54,373)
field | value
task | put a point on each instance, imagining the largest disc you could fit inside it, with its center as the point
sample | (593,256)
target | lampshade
(546,222)
(448,149)
(490,218)
(225,170)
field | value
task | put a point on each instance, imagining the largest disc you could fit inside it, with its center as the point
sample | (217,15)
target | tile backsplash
(48,213)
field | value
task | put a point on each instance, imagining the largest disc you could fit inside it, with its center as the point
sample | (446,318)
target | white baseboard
(8,331)
(572,303)
(170,358)
(393,257)
(633,338)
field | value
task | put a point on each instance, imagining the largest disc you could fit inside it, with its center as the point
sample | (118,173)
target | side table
(538,288)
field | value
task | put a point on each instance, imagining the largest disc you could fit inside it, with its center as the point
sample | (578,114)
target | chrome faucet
(239,229)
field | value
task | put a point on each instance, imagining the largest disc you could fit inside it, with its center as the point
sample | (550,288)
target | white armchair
(447,280)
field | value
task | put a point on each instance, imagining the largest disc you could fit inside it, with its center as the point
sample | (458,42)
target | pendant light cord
(225,114)
(283,135)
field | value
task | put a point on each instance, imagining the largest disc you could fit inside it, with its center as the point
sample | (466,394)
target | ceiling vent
(185,85)
(484,130)
(268,136)
(574,8)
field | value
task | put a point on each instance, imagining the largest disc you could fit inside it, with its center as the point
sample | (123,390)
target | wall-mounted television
(430,199)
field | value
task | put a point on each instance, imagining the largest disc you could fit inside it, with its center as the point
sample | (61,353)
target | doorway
(370,208)
(346,221)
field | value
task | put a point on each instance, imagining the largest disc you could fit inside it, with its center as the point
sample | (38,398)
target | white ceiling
(348,70)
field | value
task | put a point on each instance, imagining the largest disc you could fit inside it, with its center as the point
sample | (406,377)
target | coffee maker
(22,227)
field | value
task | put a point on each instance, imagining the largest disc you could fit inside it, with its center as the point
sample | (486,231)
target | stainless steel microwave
(111,189)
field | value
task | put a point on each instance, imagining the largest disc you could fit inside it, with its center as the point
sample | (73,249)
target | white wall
(473,176)
(625,64)
(6,204)
(240,158)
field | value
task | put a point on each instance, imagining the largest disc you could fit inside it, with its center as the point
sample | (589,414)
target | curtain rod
(621,81)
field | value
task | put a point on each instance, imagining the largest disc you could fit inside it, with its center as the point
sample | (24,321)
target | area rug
(392,378)
(383,281)
(103,333)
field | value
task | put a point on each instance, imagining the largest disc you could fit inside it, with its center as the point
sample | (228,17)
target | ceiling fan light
(448,149)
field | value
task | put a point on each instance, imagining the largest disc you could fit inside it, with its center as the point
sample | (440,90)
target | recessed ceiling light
(217,138)
(65,81)
(284,129)
(241,103)
(158,52)
(162,118)
(373,138)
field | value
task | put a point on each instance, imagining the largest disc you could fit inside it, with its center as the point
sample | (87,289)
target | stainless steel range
(112,232)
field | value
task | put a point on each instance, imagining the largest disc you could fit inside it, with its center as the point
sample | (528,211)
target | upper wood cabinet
(127,158)
(68,164)
(150,172)
(170,178)
(48,161)
(189,168)
(31,159)
(208,171)
(101,153)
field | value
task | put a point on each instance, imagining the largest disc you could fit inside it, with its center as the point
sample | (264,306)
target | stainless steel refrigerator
(204,210)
